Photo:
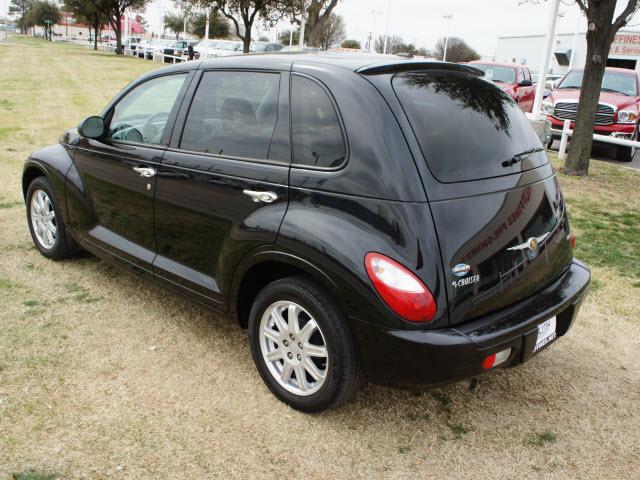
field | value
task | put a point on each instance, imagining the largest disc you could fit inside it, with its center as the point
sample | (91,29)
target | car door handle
(265,197)
(146,172)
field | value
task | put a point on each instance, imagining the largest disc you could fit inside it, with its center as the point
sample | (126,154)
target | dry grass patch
(103,375)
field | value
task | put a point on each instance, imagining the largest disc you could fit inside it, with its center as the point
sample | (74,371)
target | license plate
(546,333)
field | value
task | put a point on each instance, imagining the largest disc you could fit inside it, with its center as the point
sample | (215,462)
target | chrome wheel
(43,219)
(293,348)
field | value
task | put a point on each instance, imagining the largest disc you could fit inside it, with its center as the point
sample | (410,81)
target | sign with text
(626,44)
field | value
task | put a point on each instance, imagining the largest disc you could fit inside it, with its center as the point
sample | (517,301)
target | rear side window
(466,126)
(233,114)
(316,134)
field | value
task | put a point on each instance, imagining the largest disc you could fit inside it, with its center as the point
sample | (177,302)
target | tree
(218,25)
(174,23)
(351,44)
(244,13)
(44,14)
(87,11)
(315,11)
(21,8)
(329,32)
(457,50)
(601,31)
(114,10)
(394,44)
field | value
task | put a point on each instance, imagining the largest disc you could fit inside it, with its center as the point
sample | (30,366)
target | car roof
(497,64)
(363,63)
(611,69)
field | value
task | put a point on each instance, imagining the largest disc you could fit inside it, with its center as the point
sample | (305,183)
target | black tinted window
(233,113)
(316,134)
(466,126)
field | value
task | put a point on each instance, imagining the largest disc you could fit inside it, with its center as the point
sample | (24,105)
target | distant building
(69,27)
(527,50)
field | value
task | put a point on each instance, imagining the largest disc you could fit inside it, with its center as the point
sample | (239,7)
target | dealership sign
(626,44)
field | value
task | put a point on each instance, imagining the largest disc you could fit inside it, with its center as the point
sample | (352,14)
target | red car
(514,79)
(617,108)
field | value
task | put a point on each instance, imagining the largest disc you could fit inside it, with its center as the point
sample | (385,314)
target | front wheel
(46,224)
(301,346)
(626,154)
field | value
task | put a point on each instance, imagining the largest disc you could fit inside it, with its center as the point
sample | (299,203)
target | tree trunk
(118,32)
(599,38)
(246,43)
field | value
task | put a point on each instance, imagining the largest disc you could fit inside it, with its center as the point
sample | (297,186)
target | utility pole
(206,25)
(386,28)
(303,24)
(291,37)
(551,33)
(449,18)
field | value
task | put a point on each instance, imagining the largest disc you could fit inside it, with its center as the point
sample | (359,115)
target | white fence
(566,132)
(157,57)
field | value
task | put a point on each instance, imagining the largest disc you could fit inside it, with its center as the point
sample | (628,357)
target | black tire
(626,154)
(344,375)
(64,246)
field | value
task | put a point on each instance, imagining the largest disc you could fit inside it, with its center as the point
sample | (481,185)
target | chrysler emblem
(531,245)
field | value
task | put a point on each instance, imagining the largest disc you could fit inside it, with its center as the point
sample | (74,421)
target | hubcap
(43,219)
(294,348)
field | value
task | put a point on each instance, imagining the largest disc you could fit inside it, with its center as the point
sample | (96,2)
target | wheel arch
(261,268)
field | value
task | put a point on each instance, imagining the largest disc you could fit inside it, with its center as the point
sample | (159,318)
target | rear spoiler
(415,66)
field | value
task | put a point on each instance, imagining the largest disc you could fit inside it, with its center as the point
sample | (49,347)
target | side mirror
(92,127)
(525,83)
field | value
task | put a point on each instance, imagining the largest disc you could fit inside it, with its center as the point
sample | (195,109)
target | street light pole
(551,33)
(448,17)
(206,25)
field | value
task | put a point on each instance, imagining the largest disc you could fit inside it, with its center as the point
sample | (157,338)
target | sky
(479,22)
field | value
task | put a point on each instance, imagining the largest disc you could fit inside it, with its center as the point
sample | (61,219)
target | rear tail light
(400,289)
(496,359)
(572,239)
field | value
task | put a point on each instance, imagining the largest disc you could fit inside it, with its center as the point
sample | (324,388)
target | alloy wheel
(294,348)
(43,219)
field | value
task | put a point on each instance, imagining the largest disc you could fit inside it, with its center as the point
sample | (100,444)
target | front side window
(233,114)
(141,115)
(315,129)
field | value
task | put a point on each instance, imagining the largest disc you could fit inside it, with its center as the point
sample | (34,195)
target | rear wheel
(301,346)
(626,154)
(46,224)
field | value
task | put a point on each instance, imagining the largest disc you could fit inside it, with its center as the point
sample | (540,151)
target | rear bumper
(436,357)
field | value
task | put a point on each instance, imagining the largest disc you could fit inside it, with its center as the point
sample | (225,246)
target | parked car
(512,78)
(618,107)
(173,48)
(131,43)
(296,48)
(551,81)
(218,48)
(334,206)
(264,47)
(185,51)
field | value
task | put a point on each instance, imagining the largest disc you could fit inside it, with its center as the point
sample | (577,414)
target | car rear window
(467,128)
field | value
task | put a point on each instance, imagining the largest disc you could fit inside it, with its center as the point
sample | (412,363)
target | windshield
(228,46)
(206,44)
(258,47)
(619,82)
(467,127)
(496,73)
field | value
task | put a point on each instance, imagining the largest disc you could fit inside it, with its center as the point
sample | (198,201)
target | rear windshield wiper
(521,156)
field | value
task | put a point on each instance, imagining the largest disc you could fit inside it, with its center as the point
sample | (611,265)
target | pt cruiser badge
(461,269)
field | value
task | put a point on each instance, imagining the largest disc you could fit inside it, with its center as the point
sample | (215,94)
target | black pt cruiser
(363,217)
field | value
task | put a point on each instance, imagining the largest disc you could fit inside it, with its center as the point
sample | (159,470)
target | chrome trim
(265,197)
(146,172)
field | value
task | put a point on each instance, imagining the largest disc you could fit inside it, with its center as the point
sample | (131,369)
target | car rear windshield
(467,128)
(497,73)
(617,82)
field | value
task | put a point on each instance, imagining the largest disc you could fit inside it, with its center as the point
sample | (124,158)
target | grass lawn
(103,375)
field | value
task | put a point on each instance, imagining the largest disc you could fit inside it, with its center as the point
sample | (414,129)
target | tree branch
(629,11)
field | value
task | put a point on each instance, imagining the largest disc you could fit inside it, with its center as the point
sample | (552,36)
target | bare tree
(244,13)
(329,32)
(601,31)
(457,50)
(395,44)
